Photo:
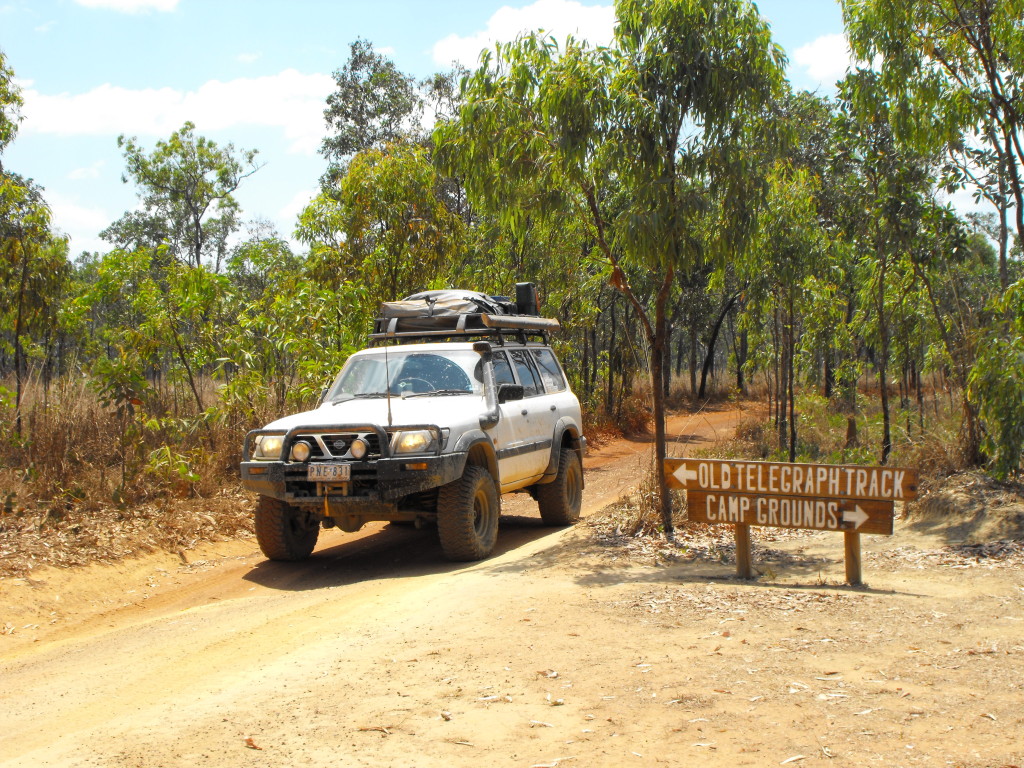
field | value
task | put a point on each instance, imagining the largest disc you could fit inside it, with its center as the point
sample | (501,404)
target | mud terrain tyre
(561,499)
(284,532)
(467,515)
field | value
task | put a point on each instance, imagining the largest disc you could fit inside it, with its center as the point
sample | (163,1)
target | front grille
(336,445)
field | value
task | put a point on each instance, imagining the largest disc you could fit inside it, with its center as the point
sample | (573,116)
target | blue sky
(256,73)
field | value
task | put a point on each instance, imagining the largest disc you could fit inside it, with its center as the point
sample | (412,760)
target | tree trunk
(709,356)
(693,358)
(666,374)
(19,354)
(791,376)
(883,362)
(741,361)
(612,352)
(658,342)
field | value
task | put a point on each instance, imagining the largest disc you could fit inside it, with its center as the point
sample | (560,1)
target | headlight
(359,448)
(301,451)
(268,447)
(415,441)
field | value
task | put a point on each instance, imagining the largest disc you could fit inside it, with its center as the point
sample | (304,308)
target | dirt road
(555,651)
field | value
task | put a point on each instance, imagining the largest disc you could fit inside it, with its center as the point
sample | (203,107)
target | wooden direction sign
(778,479)
(819,497)
(862,516)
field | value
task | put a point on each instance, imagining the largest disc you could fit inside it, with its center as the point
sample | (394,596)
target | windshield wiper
(370,394)
(439,392)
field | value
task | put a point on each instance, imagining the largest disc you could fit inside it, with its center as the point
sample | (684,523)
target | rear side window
(550,372)
(502,370)
(527,375)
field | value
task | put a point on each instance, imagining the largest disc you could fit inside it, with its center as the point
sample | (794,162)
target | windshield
(408,373)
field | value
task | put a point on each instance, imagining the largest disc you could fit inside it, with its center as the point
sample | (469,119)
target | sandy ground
(558,650)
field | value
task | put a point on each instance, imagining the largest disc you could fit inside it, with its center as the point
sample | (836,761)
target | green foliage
(663,192)
(185,185)
(997,384)
(385,225)
(10,105)
(372,106)
(954,72)
(649,142)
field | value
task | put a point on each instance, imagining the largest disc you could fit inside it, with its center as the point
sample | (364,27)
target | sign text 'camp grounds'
(820,497)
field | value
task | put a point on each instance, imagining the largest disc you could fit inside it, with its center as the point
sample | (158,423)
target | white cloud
(44,28)
(825,59)
(130,6)
(560,18)
(89,172)
(81,223)
(290,211)
(289,100)
(247,58)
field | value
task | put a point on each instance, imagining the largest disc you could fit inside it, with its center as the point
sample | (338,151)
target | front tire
(467,515)
(284,532)
(560,500)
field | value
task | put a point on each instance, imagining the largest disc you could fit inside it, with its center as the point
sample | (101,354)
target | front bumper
(383,481)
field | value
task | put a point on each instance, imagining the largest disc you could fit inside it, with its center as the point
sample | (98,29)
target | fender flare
(567,431)
(478,439)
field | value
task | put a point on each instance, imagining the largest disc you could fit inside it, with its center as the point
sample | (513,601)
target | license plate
(340,473)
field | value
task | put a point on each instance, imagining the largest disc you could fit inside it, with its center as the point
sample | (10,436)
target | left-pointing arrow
(684,475)
(857,516)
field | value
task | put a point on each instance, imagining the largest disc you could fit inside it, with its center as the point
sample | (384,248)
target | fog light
(301,451)
(359,448)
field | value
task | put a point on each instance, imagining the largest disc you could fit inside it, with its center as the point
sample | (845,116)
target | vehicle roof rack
(456,314)
(465,326)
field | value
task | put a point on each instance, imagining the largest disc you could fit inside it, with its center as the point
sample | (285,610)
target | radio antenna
(387,382)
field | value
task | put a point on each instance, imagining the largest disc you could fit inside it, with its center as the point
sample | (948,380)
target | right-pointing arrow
(684,475)
(857,516)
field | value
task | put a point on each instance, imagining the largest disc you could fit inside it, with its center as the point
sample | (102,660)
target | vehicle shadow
(390,552)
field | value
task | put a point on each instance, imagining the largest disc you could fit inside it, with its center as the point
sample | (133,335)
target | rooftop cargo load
(455,312)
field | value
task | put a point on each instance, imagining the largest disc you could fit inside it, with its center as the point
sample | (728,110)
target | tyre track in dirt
(137,664)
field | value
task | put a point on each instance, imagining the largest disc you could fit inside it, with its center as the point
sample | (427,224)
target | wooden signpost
(817,497)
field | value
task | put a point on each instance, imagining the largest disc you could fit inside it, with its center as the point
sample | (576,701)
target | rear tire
(283,531)
(560,500)
(467,515)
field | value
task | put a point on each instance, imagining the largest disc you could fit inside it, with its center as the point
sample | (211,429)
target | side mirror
(508,392)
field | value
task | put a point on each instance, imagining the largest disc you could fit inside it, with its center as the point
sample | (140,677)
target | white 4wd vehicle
(426,431)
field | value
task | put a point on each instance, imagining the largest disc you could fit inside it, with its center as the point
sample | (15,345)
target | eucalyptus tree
(784,269)
(186,186)
(888,203)
(666,112)
(954,72)
(10,106)
(997,383)
(33,260)
(384,224)
(33,272)
(374,104)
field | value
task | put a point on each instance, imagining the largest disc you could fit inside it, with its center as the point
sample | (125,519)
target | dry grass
(84,482)
(31,537)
